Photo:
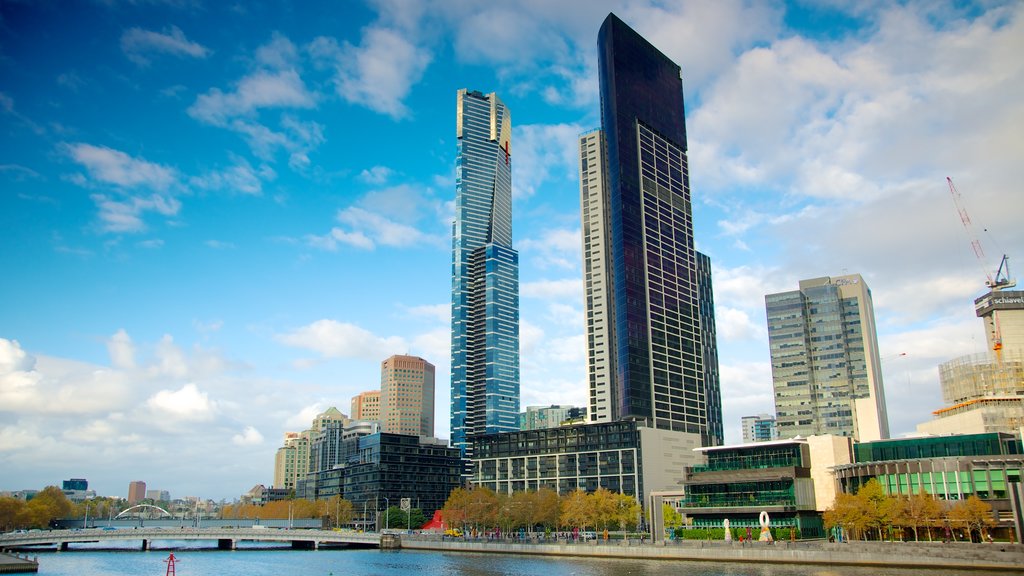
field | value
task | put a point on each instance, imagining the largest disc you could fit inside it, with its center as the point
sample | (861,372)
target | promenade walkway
(1000,557)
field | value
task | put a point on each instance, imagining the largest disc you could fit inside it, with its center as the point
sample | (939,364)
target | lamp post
(365,502)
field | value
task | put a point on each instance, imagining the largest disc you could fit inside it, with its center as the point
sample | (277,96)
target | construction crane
(995,283)
(1002,278)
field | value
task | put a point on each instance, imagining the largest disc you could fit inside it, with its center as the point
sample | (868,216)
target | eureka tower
(485,274)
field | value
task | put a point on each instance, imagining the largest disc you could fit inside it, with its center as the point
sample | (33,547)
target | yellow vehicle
(453,532)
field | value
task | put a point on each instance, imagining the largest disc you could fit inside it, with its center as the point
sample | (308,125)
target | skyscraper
(366,406)
(825,365)
(407,395)
(485,274)
(650,318)
(136,491)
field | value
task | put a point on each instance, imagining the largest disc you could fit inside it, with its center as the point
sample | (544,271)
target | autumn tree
(877,506)
(47,505)
(973,514)
(456,509)
(476,506)
(627,510)
(545,509)
(10,513)
(917,510)
(577,510)
(846,513)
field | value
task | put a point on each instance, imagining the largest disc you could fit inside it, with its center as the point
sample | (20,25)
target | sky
(217,219)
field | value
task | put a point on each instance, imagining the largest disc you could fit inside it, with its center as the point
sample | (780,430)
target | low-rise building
(955,467)
(788,479)
(622,457)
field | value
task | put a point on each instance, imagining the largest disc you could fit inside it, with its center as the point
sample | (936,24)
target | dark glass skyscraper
(661,364)
(485,274)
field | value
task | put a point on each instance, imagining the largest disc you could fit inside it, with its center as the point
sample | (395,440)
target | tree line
(871,514)
(480,509)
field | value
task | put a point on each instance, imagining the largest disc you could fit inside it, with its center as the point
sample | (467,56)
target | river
(339,562)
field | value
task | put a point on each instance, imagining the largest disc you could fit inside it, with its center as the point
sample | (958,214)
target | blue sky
(218,219)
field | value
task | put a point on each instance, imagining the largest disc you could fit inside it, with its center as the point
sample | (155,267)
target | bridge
(226,538)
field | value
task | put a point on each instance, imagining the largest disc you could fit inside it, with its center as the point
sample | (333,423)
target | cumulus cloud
(557,248)
(377,74)
(124,210)
(390,217)
(247,437)
(542,152)
(240,178)
(550,289)
(121,350)
(276,84)
(110,166)
(137,44)
(334,339)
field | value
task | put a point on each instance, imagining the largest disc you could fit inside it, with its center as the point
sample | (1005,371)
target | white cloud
(733,324)
(247,437)
(121,350)
(557,248)
(551,289)
(541,152)
(111,166)
(137,43)
(377,74)
(187,403)
(262,89)
(240,178)
(386,217)
(335,339)
(376,175)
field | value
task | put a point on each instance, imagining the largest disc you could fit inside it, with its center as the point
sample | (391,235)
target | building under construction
(985,392)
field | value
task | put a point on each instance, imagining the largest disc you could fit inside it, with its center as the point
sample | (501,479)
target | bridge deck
(312,538)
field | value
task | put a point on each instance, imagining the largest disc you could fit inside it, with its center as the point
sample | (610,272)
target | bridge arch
(141,506)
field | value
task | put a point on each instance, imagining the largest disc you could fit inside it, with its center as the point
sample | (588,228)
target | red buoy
(170,565)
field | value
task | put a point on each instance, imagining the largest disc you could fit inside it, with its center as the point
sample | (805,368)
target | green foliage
(398,518)
(671,517)
(777,532)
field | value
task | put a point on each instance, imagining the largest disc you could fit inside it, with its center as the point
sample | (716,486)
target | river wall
(1006,558)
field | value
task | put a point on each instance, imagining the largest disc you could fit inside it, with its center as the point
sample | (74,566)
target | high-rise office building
(366,406)
(136,492)
(407,395)
(760,428)
(825,365)
(485,274)
(291,462)
(650,318)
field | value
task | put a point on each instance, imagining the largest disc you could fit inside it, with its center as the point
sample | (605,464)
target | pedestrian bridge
(226,538)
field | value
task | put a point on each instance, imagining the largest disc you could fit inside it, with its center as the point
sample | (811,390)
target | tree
(10,512)
(846,513)
(917,510)
(47,505)
(877,506)
(973,514)
(576,510)
(338,510)
(671,517)
(604,505)
(455,510)
(627,510)
(545,509)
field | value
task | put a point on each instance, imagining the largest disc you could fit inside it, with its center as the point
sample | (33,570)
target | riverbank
(12,564)
(1006,558)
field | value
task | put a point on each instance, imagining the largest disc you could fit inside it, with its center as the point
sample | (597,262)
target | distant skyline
(219,220)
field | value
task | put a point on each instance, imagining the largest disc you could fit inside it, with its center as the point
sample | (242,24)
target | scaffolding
(982,376)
